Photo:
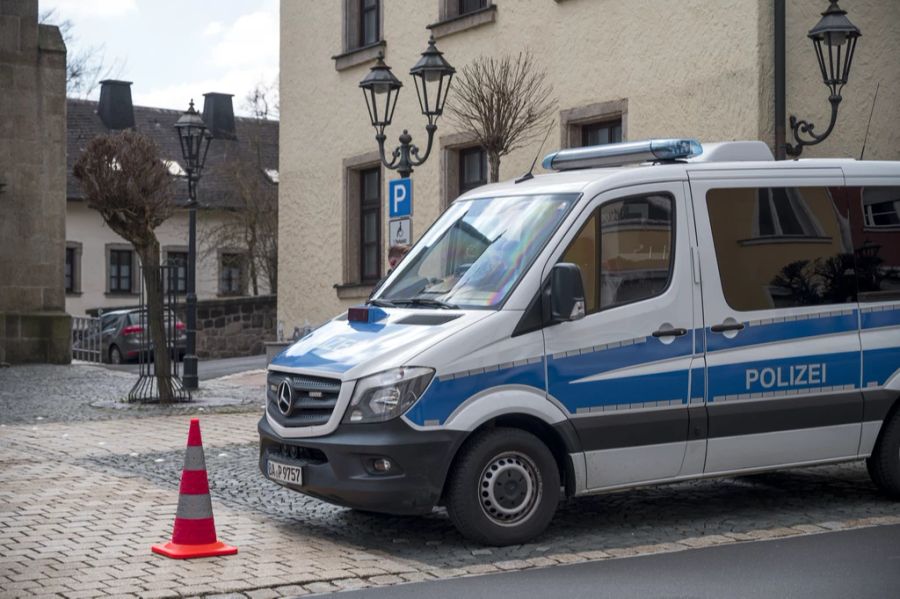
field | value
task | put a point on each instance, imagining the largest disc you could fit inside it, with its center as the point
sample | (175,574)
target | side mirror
(566,293)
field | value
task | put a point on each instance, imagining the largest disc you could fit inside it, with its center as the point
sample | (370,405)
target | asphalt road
(211,369)
(859,563)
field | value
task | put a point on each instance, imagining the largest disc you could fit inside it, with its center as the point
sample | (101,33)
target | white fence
(86,339)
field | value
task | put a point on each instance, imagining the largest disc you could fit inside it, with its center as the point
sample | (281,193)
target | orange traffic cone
(194,534)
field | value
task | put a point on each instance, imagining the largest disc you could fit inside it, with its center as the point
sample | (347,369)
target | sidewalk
(82,499)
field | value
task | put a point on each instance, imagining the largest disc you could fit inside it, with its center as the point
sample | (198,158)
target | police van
(650,312)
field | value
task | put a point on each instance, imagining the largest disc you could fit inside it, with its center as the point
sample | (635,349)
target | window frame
(242,260)
(361,13)
(366,206)
(118,289)
(673,231)
(462,153)
(584,128)
(179,252)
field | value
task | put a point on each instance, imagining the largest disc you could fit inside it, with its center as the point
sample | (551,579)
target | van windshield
(476,252)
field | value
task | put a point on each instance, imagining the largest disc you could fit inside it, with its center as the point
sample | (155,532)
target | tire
(884,463)
(488,513)
(115,355)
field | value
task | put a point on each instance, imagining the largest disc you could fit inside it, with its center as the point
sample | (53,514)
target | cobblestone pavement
(77,392)
(82,499)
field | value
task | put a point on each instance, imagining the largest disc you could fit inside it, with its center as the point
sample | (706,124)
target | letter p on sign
(400,194)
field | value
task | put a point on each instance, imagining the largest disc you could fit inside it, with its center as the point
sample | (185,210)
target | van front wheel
(504,488)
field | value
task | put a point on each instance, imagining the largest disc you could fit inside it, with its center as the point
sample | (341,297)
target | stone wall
(33,323)
(228,328)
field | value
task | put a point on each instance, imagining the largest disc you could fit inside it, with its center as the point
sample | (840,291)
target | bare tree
(85,67)
(503,102)
(253,223)
(124,179)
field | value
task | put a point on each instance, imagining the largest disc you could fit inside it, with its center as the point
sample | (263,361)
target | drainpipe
(780,93)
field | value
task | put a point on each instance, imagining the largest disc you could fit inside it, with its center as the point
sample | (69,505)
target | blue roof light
(632,152)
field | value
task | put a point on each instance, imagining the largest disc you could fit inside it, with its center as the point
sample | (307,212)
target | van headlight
(388,394)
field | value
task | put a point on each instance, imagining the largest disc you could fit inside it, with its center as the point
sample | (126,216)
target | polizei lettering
(787,376)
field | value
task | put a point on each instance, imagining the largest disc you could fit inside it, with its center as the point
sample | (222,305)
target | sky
(175,50)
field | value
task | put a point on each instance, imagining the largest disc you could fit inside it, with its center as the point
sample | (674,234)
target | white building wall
(85,226)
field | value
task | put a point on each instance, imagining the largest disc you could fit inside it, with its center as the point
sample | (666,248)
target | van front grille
(313,399)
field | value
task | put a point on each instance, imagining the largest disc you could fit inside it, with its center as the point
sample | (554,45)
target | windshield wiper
(382,303)
(427,302)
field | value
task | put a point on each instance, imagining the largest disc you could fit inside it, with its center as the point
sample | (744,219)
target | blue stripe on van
(698,384)
(757,334)
(879,365)
(881,318)
(736,381)
(625,391)
(445,395)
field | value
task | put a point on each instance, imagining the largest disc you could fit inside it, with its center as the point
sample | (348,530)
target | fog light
(382,465)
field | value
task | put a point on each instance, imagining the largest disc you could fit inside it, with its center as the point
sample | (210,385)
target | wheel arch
(560,438)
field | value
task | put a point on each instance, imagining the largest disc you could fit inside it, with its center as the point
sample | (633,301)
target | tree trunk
(494,164)
(155,320)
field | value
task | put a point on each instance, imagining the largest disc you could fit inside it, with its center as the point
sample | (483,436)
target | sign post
(400,209)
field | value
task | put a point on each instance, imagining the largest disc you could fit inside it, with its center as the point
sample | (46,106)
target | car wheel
(115,355)
(504,487)
(884,463)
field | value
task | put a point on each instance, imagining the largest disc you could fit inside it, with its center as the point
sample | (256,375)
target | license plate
(285,474)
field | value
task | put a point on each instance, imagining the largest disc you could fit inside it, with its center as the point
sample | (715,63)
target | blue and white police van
(650,312)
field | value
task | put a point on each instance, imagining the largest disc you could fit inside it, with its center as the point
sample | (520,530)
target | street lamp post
(194,138)
(834,38)
(432,75)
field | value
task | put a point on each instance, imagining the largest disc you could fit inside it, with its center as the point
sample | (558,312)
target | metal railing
(86,339)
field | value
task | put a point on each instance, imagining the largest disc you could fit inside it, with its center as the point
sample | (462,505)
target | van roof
(576,180)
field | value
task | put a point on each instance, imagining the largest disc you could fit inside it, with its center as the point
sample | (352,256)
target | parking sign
(400,195)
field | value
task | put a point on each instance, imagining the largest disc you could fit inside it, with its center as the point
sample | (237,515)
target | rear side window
(782,247)
(624,251)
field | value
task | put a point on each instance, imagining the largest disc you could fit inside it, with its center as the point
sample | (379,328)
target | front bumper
(338,467)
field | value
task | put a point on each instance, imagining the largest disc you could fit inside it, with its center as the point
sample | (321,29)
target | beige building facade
(620,70)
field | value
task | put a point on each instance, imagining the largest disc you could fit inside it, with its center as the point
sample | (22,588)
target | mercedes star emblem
(285,397)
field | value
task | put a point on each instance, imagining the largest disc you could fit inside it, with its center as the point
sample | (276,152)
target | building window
(370,225)
(783,212)
(231,270)
(72,272)
(594,124)
(121,266)
(472,169)
(597,134)
(178,274)
(369,30)
(362,24)
(467,6)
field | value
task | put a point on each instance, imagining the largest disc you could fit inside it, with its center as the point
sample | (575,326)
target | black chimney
(115,109)
(218,115)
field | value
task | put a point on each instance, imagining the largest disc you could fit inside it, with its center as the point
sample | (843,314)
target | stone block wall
(232,327)
(32,187)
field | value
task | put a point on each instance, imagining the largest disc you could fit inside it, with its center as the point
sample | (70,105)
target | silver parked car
(124,335)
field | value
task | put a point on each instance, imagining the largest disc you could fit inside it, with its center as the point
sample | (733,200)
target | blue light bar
(632,152)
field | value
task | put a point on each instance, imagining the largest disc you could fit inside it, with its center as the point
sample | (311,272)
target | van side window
(782,247)
(633,259)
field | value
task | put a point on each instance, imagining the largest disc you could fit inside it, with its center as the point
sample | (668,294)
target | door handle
(669,333)
(731,326)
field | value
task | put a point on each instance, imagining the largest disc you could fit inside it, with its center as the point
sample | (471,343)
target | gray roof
(214,190)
